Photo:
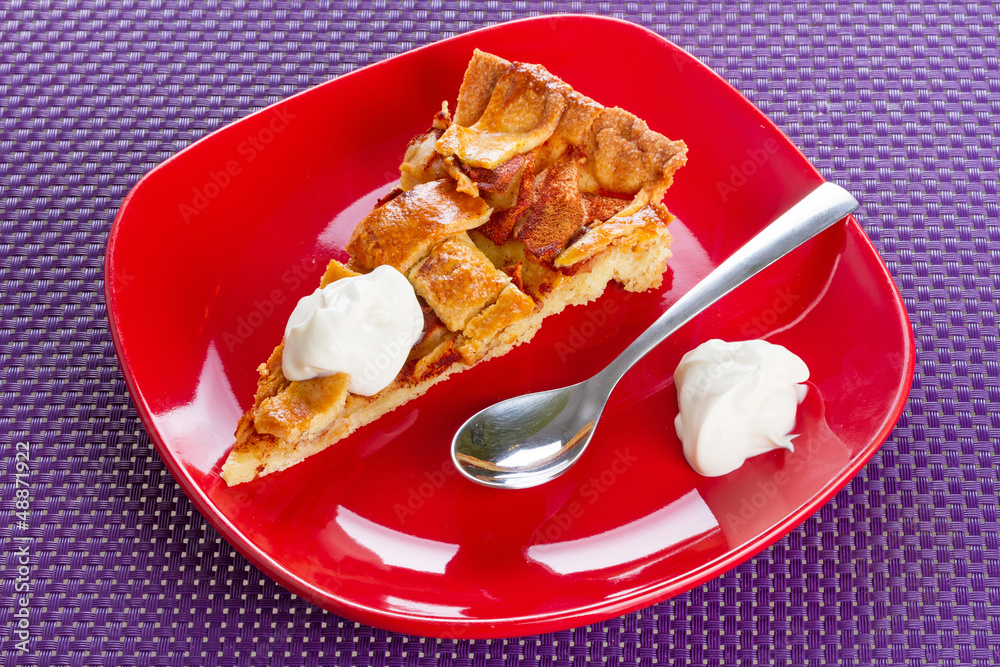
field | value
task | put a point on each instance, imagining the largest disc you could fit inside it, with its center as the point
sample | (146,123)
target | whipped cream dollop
(364,326)
(737,400)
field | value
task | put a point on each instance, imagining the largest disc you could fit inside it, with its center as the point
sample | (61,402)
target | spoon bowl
(532,439)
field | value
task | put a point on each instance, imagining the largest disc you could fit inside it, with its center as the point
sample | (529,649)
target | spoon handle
(819,210)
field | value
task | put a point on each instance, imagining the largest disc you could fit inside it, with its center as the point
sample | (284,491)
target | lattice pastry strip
(532,199)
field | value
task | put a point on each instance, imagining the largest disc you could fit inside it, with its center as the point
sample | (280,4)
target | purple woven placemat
(107,563)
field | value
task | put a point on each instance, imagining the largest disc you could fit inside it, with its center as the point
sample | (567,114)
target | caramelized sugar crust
(402,230)
(457,281)
(533,198)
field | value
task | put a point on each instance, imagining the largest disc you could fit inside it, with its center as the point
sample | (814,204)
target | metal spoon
(528,440)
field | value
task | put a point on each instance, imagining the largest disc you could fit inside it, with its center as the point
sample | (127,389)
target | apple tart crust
(532,198)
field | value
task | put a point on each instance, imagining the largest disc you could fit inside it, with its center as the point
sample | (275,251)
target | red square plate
(211,249)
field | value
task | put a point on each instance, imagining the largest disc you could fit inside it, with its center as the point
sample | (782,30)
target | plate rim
(512,625)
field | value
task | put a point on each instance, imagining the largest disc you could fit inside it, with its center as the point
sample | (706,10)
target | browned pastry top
(560,194)
(402,230)
(457,281)
(552,163)
(506,109)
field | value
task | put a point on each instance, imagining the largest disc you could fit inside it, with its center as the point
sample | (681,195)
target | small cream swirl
(736,400)
(364,326)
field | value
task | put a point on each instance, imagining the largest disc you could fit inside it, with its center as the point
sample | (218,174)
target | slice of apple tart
(532,198)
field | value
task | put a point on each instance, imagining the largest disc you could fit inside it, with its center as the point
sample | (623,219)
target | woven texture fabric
(899,102)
